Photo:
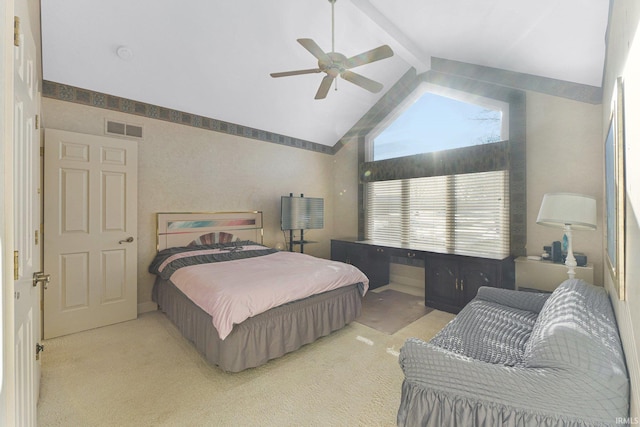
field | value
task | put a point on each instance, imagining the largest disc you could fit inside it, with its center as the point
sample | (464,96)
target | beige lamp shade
(560,209)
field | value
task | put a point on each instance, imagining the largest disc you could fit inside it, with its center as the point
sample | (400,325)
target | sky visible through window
(436,123)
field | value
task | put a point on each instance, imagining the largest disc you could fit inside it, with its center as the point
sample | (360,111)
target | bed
(239,302)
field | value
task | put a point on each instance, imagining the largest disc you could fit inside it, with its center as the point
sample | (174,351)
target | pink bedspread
(233,291)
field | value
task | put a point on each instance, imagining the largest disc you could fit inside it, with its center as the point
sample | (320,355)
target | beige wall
(182,168)
(623,26)
(564,154)
(345,190)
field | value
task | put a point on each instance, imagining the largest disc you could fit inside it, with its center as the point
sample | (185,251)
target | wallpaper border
(91,98)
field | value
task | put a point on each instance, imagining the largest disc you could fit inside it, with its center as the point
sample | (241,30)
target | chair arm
(557,392)
(529,301)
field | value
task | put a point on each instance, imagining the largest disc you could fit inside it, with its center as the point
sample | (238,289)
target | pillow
(576,328)
(211,238)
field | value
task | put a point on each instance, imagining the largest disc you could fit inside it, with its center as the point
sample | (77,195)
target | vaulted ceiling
(214,58)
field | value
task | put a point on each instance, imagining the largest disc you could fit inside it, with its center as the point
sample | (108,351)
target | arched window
(437,174)
(434,119)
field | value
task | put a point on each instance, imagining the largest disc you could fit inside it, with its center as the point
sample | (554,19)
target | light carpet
(144,373)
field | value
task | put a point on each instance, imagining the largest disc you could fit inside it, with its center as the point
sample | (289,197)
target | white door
(26,215)
(90,231)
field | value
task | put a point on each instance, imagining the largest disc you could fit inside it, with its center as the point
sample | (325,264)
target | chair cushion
(489,332)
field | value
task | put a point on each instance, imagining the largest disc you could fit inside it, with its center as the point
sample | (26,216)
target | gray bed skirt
(263,337)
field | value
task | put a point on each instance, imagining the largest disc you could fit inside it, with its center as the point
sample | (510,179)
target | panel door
(441,287)
(26,213)
(373,261)
(473,275)
(339,251)
(90,227)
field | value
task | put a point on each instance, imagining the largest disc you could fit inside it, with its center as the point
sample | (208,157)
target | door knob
(127,240)
(41,277)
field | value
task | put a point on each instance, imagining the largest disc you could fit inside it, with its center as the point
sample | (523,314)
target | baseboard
(146,307)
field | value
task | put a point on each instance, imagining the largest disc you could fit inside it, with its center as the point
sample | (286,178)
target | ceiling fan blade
(295,73)
(362,81)
(381,52)
(315,50)
(325,85)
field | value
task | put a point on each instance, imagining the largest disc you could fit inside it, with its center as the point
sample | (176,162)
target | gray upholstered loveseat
(520,359)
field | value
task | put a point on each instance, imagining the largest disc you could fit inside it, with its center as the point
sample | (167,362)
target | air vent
(123,129)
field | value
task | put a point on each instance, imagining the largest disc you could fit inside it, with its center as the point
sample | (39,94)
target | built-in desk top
(422,249)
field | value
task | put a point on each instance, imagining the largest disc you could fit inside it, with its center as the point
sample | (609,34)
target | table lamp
(571,212)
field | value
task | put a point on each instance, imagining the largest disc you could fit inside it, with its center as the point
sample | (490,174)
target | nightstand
(546,275)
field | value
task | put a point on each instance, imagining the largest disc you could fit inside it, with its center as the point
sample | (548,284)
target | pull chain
(333,33)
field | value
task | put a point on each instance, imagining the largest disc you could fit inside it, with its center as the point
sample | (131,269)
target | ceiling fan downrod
(333,36)
(333,23)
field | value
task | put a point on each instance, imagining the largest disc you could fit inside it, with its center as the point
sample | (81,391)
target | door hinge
(37,122)
(39,348)
(16,31)
(41,151)
(16,259)
(36,237)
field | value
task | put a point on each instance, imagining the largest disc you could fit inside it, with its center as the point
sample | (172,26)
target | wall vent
(127,130)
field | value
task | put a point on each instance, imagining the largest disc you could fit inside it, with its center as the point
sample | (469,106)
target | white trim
(7,360)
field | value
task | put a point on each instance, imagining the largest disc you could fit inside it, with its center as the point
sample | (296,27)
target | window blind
(464,214)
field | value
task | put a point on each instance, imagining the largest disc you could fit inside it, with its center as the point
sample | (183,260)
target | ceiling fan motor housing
(334,66)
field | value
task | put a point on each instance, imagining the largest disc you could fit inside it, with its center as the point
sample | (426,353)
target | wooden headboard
(181,228)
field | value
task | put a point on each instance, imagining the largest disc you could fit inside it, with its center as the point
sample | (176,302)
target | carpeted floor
(389,311)
(143,373)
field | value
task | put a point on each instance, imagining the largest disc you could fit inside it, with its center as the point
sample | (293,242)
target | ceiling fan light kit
(335,64)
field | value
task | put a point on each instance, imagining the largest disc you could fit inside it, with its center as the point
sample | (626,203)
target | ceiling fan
(335,64)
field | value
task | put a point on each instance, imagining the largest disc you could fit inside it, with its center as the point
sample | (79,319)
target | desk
(546,275)
(451,280)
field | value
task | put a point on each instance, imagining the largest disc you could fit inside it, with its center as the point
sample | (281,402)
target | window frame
(516,98)
(421,90)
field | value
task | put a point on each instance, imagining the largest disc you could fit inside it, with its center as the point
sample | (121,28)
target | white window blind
(464,214)
(384,210)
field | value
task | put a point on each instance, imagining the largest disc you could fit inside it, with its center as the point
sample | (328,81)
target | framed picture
(615,191)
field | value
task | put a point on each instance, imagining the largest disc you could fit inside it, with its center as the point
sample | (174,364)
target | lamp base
(570,262)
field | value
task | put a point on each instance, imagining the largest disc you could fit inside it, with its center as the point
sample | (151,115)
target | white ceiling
(213,57)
